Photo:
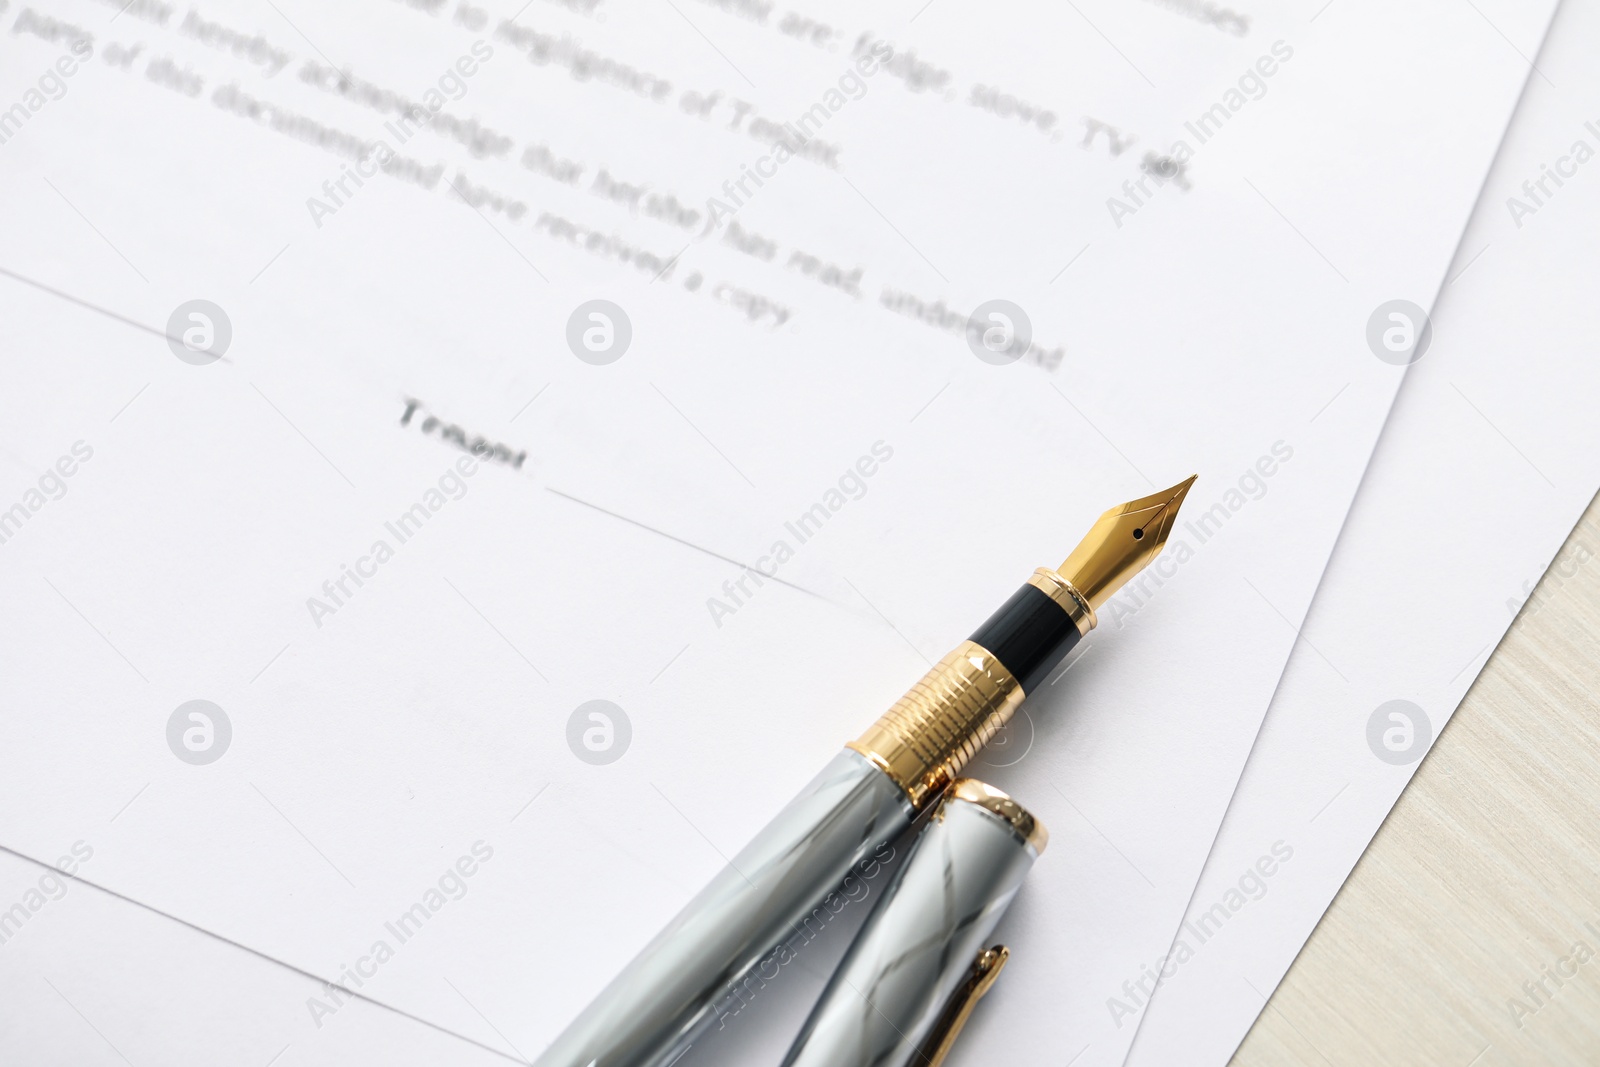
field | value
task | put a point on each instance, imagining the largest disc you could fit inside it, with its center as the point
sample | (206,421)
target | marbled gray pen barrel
(903,990)
(871,793)
(653,1011)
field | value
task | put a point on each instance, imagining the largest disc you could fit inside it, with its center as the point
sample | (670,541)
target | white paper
(89,978)
(1489,459)
(378,743)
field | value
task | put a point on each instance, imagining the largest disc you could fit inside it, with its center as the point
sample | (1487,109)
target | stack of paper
(1493,441)
(607,359)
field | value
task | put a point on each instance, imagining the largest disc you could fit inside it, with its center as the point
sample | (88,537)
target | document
(89,978)
(475,464)
(1493,438)
(377,733)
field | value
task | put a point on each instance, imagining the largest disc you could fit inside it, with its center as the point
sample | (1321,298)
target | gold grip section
(924,740)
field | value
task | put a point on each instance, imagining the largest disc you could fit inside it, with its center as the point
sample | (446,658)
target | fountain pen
(733,936)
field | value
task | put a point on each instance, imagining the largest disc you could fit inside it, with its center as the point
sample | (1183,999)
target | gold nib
(1122,542)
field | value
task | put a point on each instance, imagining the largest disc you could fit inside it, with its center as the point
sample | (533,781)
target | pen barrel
(921,961)
(721,946)
(705,963)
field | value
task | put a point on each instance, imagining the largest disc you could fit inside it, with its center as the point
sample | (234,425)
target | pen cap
(906,986)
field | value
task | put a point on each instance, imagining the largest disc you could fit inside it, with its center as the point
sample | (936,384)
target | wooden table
(1484,875)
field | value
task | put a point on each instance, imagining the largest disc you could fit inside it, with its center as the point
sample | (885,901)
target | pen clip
(980,976)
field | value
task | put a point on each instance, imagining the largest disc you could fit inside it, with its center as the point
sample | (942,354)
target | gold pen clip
(980,976)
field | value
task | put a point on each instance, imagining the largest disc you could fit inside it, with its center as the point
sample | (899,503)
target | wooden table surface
(1483,878)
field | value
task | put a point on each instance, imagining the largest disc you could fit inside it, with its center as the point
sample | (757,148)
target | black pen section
(1030,634)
